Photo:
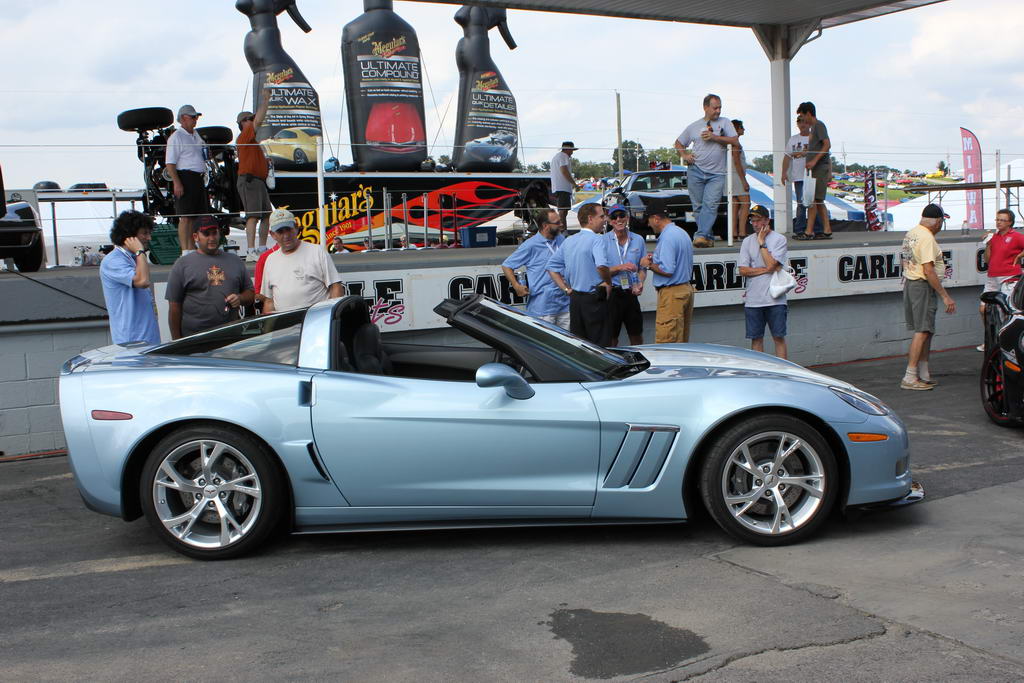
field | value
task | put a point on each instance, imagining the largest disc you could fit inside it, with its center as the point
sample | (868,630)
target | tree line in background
(636,158)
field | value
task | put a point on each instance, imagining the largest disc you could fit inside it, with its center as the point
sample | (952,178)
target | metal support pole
(426,220)
(405,220)
(998,180)
(369,223)
(388,235)
(728,193)
(782,194)
(53,221)
(618,131)
(320,222)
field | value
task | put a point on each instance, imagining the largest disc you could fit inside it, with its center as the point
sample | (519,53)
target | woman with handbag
(763,259)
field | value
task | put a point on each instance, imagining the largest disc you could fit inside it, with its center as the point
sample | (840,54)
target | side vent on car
(641,456)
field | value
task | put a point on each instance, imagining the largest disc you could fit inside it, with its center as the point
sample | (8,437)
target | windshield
(574,350)
(267,339)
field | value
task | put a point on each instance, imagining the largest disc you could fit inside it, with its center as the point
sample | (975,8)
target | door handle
(307,393)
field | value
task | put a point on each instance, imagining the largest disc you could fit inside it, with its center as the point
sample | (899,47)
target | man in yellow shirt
(922,263)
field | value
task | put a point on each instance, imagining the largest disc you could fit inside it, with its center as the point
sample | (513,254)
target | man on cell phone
(762,254)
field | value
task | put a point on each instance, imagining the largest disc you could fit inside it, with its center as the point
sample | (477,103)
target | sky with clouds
(892,90)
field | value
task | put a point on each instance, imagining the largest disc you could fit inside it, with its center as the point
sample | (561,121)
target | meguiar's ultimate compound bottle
(384,90)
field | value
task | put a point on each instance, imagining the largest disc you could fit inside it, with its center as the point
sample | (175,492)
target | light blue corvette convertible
(307,420)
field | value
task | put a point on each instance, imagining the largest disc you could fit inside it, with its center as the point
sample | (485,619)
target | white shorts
(995,284)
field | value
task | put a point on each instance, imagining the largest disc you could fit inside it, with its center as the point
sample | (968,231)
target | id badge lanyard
(623,276)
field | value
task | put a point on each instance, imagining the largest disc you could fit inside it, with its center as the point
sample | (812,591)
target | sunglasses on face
(617,215)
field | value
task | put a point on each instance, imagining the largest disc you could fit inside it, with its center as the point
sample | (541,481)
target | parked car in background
(21,231)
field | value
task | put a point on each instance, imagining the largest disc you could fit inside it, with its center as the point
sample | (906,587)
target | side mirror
(501,375)
(996,299)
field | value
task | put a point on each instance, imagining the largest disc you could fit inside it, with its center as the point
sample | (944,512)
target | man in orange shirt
(252,180)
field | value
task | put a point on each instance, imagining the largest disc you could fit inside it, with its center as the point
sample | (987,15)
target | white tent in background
(906,215)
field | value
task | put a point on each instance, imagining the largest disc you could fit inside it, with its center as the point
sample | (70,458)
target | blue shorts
(772,316)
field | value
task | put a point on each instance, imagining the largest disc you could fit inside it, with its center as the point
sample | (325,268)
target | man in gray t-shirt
(761,254)
(207,287)
(705,178)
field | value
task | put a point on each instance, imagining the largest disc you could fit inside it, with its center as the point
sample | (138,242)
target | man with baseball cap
(922,265)
(298,274)
(206,287)
(562,182)
(761,254)
(186,162)
(253,168)
(672,265)
(623,253)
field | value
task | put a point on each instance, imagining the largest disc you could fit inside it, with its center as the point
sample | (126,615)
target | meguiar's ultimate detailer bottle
(384,90)
(487,127)
(293,118)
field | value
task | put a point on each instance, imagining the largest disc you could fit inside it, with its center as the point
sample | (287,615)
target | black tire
(218,520)
(804,484)
(31,260)
(216,135)
(993,389)
(300,157)
(147,118)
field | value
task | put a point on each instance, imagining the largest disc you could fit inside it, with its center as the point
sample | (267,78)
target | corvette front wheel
(770,480)
(212,492)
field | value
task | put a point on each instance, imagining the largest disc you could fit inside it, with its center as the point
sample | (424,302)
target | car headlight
(865,403)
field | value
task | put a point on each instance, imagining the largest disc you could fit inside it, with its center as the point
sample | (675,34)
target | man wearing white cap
(298,274)
(186,162)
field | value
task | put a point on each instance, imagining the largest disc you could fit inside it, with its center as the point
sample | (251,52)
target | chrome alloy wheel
(773,483)
(207,494)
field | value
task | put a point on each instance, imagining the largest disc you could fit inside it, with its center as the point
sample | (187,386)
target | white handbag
(782,282)
(809,183)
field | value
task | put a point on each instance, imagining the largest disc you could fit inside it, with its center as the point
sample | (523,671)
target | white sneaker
(251,256)
(980,347)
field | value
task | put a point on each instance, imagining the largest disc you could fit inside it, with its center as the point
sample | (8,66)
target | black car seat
(368,354)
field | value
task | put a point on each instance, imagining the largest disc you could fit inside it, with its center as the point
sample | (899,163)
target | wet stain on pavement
(609,644)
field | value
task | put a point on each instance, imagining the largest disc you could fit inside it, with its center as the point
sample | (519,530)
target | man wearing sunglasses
(206,287)
(298,274)
(186,162)
(623,253)
(546,301)
(252,180)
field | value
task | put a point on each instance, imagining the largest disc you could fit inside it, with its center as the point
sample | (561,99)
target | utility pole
(618,129)
(844,156)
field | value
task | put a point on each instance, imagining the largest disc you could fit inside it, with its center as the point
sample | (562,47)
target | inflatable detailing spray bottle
(293,116)
(384,90)
(487,127)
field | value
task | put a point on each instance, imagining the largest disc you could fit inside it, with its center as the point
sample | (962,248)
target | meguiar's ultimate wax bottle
(384,90)
(292,122)
(487,127)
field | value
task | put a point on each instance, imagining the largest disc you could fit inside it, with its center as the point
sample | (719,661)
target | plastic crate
(479,236)
(164,248)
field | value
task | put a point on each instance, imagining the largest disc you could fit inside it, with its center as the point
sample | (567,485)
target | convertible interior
(359,347)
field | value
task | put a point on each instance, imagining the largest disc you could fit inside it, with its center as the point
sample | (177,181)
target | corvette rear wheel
(212,492)
(770,480)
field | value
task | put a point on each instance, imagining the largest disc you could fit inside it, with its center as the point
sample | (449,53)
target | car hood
(695,361)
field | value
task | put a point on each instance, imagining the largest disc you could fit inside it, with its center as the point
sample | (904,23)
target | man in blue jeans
(708,136)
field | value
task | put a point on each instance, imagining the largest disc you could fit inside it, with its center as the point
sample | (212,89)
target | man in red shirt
(252,180)
(1003,251)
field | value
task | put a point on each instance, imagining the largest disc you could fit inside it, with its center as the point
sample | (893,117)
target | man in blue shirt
(124,273)
(672,265)
(623,252)
(575,270)
(546,301)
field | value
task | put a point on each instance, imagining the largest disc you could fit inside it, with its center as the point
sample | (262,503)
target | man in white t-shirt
(562,183)
(793,171)
(702,145)
(299,274)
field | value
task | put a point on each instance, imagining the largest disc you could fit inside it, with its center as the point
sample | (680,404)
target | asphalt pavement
(930,592)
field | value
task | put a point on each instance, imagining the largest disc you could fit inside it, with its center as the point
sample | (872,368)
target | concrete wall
(30,360)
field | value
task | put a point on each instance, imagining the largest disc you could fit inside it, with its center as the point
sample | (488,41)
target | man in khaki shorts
(922,263)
